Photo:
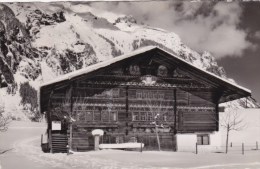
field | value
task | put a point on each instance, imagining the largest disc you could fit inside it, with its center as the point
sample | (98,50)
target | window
(165,117)
(105,116)
(138,94)
(143,116)
(161,96)
(113,116)
(116,92)
(150,117)
(203,139)
(135,116)
(145,94)
(97,116)
(81,116)
(89,116)
(150,95)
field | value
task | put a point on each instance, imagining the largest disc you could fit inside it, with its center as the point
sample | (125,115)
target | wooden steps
(59,143)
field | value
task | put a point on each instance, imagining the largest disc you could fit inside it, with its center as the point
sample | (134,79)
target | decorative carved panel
(162,71)
(134,70)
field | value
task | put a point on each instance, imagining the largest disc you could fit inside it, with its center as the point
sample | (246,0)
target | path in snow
(18,131)
(23,142)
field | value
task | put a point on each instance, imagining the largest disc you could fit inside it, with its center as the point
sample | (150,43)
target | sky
(229,31)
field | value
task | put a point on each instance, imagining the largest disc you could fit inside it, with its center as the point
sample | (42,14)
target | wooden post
(68,149)
(231,144)
(71,110)
(126,102)
(126,110)
(70,145)
(41,139)
(141,146)
(256,145)
(175,111)
(48,113)
(246,102)
(71,98)
(196,148)
(149,141)
(217,116)
(50,141)
(175,118)
(243,148)
(157,136)
(174,142)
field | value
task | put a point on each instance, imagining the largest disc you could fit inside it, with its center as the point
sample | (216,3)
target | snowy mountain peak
(39,38)
(129,19)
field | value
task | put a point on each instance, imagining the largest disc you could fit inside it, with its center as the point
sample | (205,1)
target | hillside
(40,41)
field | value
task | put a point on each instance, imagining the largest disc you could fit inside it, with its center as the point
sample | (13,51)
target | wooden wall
(127,112)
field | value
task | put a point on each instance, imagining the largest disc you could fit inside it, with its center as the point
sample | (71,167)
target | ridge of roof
(99,65)
(96,66)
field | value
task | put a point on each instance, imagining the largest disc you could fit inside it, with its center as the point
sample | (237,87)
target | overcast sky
(230,31)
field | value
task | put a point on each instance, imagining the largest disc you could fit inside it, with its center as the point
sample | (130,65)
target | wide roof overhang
(228,91)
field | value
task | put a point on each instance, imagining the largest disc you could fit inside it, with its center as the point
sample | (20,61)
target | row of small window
(148,116)
(106,116)
(203,139)
(149,94)
(97,116)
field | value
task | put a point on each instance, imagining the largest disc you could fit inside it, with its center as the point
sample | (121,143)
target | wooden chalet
(127,95)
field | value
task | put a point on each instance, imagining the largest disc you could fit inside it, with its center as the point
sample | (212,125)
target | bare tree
(159,109)
(231,120)
(4,121)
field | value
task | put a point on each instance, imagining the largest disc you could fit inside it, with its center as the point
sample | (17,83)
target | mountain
(40,41)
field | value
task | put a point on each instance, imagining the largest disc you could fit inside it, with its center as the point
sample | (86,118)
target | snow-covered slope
(39,41)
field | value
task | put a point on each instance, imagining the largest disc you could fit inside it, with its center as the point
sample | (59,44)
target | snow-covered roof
(128,55)
(98,66)
(212,74)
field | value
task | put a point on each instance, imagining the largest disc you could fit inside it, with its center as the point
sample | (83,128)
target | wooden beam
(49,111)
(71,97)
(71,111)
(126,102)
(175,111)
(217,117)
(175,119)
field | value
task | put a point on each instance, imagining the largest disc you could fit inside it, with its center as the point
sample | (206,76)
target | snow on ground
(121,145)
(250,134)
(22,142)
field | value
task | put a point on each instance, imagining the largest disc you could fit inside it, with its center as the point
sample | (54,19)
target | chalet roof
(128,55)
(231,90)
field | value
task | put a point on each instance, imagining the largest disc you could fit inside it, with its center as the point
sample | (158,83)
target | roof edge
(128,55)
(99,65)
(210,73)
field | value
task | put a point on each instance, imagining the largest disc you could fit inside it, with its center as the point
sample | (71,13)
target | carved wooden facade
(124,97)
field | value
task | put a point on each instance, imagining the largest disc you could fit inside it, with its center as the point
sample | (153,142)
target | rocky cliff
(40,41)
